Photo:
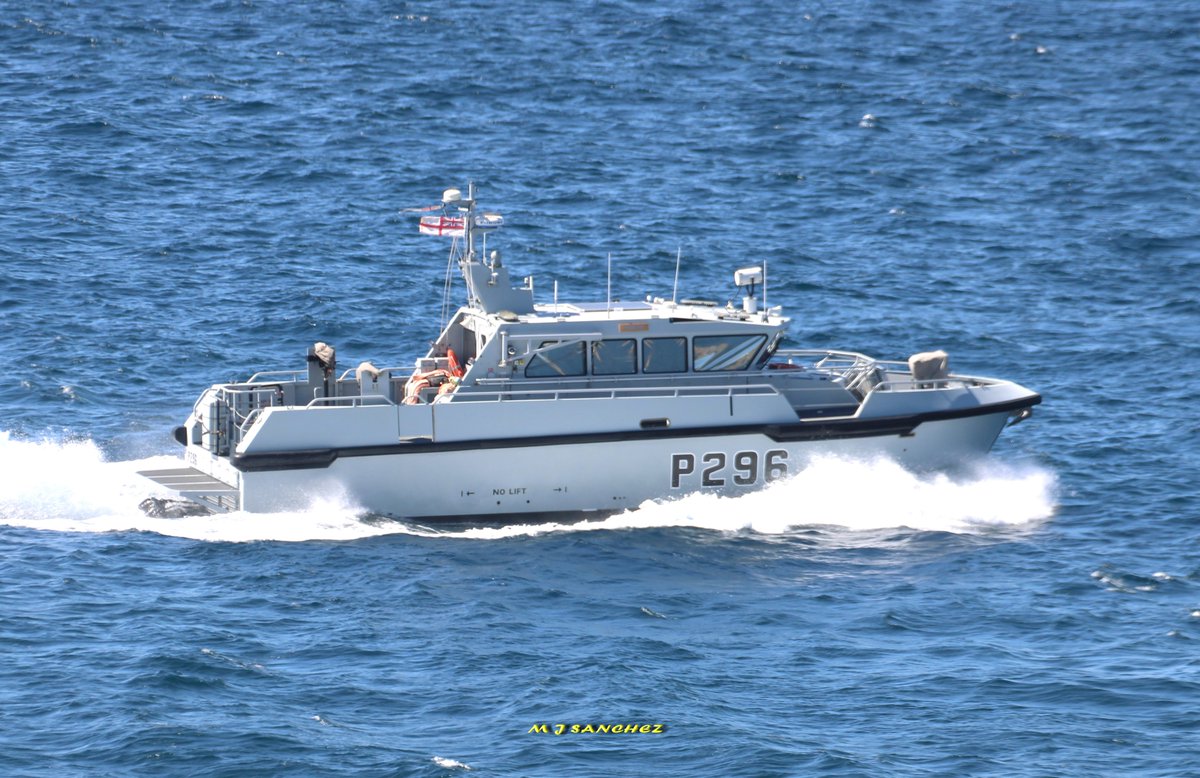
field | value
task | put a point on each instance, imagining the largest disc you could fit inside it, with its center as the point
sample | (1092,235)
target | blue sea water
(191,192)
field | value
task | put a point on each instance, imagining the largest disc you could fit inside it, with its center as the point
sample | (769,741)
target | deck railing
(526,391)
(857,372)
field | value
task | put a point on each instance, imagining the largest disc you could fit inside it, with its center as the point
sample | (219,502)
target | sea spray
(848,493)
(68,486)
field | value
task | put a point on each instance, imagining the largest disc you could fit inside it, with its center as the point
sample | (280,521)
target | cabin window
(664,355)
(614,357)
(725,352)
(769,352)
(564,360)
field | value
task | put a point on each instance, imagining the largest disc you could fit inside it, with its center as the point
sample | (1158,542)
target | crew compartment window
(725,352)
(614,357)
(768,352)
(565,360)
(664,355)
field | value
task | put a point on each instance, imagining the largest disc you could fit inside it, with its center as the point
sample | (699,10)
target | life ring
(452,361)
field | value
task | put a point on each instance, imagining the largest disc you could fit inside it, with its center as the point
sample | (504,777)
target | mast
(469,221)
(488,287)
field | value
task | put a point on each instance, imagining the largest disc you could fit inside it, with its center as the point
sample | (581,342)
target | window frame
(686,355)
(592,356)
(551,345)
(747,361)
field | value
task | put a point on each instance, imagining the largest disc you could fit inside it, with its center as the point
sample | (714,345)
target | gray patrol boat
(522,409)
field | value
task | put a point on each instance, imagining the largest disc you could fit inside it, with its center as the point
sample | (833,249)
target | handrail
(257,377)
(910,385)
(263,376)
(248,422)
(351,400)
(613,393)
(824,353)
(713,378)
(200,399)
(560,338)
(346,375)
(243,421)
(237,389)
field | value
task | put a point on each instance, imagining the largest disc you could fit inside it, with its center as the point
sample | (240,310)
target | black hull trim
(780,433)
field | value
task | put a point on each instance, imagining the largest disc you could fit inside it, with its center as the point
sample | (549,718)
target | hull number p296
(719,468)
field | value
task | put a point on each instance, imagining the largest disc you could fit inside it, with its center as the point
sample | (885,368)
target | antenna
(675,289)
(766,310)
(608,304)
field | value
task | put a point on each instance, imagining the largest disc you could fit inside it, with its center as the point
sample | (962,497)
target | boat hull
(496,481)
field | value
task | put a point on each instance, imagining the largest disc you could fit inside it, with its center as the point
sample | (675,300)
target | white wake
(68,486)
(854,495)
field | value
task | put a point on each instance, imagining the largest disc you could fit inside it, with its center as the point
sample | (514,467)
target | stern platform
(191,484)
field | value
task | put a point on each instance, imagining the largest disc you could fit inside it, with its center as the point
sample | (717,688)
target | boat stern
(207,478)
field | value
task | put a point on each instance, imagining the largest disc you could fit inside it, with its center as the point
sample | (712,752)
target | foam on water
(856,495)
(450,764)
(68,486)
